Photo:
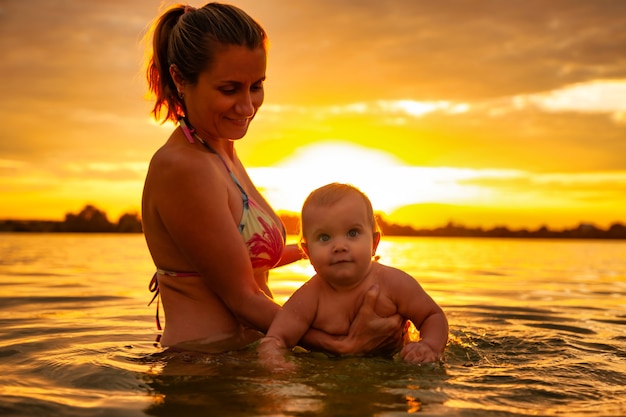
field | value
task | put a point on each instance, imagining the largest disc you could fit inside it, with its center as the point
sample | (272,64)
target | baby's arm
(416,305)
(289,325)
(271,351)
(433,337)
(419,352)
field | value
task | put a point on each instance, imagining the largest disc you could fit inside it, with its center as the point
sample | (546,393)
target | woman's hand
(370,333)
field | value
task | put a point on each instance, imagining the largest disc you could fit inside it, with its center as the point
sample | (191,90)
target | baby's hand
(272,356)
(419,352)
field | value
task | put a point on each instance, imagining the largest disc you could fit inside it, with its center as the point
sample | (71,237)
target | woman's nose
(245,106)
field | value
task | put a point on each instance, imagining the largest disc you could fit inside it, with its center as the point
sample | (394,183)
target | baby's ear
(375,242)
(304,248)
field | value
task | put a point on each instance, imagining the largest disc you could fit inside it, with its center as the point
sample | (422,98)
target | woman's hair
(328,195)
(189,38)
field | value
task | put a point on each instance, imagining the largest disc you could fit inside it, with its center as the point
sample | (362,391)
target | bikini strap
(190,133)
(186,130)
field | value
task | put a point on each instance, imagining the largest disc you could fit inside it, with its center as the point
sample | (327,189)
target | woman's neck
(225,148)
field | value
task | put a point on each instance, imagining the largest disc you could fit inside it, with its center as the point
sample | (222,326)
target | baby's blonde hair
(328,195)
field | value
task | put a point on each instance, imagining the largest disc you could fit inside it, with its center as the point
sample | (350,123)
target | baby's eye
(323,238)
(353,233)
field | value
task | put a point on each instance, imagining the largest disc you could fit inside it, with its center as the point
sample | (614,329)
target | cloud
(597,96)
(448,50)
(453,50)
(547,131)
(581,187)
(600,96)
(532,86)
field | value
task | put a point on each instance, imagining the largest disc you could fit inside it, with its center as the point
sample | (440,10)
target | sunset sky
(483,113)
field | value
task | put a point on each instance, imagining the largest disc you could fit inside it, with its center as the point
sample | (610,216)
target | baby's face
(339,240)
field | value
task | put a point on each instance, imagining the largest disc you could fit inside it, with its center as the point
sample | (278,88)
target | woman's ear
(178,79)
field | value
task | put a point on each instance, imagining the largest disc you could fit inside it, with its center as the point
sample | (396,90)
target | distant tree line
(89,220)
(582,231)
(92,220)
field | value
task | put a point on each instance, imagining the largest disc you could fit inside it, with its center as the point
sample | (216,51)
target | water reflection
(234,384)
(537,328)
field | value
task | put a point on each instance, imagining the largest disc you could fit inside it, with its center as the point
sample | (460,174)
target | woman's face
(227,96)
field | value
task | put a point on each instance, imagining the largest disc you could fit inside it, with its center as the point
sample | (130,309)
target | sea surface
(537,328)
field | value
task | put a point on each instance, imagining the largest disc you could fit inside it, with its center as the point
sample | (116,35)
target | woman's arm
(194,199)
(291,253)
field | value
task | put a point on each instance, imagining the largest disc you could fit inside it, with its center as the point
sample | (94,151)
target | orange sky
(479,112)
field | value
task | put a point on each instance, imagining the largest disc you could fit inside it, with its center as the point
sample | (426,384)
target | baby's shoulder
(312,285)
(386,273)
(394,282)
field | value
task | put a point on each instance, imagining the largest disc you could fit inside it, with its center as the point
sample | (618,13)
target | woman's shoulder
(185,177)
(175,158)
(173,150)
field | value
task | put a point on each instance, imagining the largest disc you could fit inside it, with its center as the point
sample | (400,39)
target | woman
(211,234)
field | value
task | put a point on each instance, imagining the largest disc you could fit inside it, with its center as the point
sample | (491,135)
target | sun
(388,182)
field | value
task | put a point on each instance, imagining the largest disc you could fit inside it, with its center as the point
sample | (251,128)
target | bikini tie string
(154,287)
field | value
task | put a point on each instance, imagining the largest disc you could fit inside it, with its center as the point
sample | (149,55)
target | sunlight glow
(385,179)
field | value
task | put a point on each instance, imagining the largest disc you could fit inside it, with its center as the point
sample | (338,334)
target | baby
(340,236)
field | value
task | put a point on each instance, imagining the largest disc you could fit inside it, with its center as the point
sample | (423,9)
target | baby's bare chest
(335,313)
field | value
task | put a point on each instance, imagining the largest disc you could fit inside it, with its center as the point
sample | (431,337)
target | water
(537,327)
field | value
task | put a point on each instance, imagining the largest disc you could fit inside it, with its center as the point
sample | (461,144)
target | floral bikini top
(264,238)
